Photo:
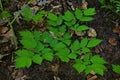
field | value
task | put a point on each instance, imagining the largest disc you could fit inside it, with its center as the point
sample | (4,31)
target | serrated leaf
(53,43)
(24,53)
(84,42)
(62,29)
(46,37)
(28,43)
(26,34)
(59,20)
(52,23)
(78,13)
(116,68)
(27,13)
(75,45)
(93,42)
(85,50)
(22,62)
(52,16)
(37,59)
(5,15)
(72,56)
(89,12)
(59,46)
(97,59)
(39,16)
(68,16)
(82,28)
(36,35)
(39,47)
(79,67)
(87,57)
(86,18)
(63,56)
(48,56)
(98,68)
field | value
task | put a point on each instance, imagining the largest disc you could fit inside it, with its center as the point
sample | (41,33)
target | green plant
(57,42)
(116,68)
(29,15)
(113,5)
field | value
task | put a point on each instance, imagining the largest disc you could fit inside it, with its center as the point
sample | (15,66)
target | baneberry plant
(58,42)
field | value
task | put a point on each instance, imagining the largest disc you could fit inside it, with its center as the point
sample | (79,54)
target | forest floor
(105,24)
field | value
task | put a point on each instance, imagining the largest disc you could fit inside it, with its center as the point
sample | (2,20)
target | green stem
(1,6)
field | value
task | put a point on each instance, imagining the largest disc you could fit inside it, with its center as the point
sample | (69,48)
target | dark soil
(104,24)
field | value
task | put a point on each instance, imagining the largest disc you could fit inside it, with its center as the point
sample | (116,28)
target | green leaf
(37,59)
(97,59)
(24,53)
(39,16)
(52,23)
(82,28)
(89,12)
(36,35)
(27,13)
(72,56)
(87,57)
(5,15)
(85,50)
(59,46)
(39,47)
(59,20)
(53,43)
(46,37)
(62,29)
(28,43)
(48,56)
(63,54)
(75,45)
(26,34)
(22,62)
(86,19)
(52,16)
(116,68)
(84,42)
(78,13)
(79,67)
(98,68)
(93,42)
(68,16)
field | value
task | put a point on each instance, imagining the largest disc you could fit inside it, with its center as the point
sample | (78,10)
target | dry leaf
(112,41)
(92,78)
(84,4)
(34,2)
(116,30)
(92,32)
(55,67)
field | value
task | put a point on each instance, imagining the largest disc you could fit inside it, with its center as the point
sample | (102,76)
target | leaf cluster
(57,42)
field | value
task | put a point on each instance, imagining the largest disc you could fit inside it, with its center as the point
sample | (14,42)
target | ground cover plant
(47,40)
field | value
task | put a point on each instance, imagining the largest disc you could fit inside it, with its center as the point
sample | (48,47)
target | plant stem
(1,6)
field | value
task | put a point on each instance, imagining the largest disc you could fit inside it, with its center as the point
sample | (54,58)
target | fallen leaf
(33,2)
(92,32)
(55,67)
(92,78)
(117,30)
(112,41)
(84,5)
